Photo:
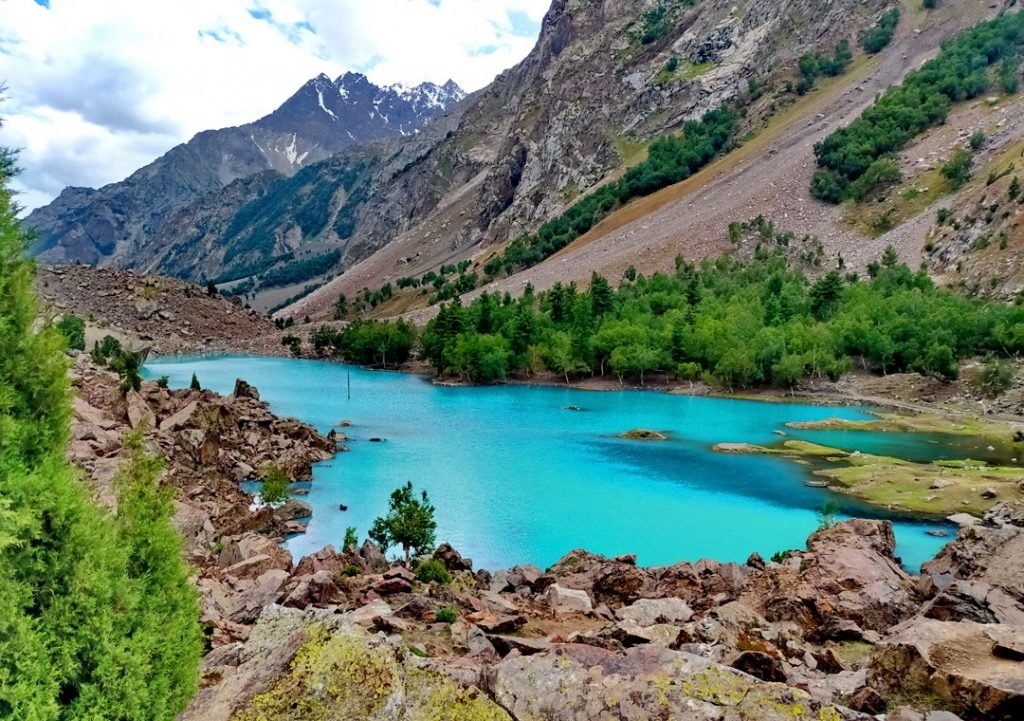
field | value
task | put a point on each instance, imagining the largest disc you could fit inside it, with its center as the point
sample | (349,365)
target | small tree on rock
(410,523)
(194,385)
(275,485)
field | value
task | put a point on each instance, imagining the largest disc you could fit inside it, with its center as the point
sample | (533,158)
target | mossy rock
(344,674)
(643,434)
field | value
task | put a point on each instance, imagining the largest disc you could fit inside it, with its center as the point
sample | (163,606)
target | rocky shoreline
(839,631)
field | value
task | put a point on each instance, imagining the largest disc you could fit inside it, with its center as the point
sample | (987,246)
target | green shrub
(73,329)
(163,382)
(445,615)
(275,484)
(352,570)
(877,38)
(977,140)
(957,170)
(996,377)
(433,570)
(351,539)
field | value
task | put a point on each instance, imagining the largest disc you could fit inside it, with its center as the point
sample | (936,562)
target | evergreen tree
(97,619)
(409,523)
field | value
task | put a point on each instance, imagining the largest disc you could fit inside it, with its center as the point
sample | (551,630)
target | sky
(98,88)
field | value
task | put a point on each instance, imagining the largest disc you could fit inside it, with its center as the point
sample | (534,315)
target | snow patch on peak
(320,98)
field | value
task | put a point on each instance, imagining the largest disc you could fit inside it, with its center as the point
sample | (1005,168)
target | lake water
(518,478)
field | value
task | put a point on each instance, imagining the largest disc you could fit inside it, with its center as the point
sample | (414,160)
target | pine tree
(97,619)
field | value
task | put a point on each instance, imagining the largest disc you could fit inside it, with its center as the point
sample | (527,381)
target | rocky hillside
(603,79)
(107,226)
(769,174)
(163,315)
(837,632)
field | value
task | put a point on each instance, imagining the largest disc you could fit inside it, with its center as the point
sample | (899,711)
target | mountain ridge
(105,225)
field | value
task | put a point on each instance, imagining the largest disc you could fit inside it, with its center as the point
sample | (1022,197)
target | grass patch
(918,423)
(893,483)
(631,151)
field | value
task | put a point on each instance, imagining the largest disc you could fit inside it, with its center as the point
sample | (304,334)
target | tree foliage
(922,100)
(731,322)
(73,329)
(878,37)
(275,484)
(409,523)
(97,618)
(366,342)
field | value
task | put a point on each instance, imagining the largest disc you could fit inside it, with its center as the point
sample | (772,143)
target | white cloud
(98,88)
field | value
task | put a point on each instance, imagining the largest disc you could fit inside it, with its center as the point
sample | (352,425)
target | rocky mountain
(603,79)
(106,226)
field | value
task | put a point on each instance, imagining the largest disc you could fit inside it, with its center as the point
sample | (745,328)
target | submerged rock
(643,434)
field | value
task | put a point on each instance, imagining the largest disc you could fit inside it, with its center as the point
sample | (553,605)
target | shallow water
(518,478)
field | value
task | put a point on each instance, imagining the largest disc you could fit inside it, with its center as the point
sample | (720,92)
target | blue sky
(98,88)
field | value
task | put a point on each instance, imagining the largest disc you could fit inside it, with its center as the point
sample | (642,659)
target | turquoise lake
(518,478)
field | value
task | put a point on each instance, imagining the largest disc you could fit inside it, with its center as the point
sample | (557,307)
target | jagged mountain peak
(322,117)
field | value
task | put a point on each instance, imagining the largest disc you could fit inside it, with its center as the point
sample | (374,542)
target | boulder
(326,559)
(649,611)
(974,601)
(251,568)
(580,682)
(318,589)
(180,418)
(989,551)
(293,509)
(496,623)
(391,586)
(140,415)
(849,572)
(567,600)
(264,592)
(605,580)
(523,575)
(235,549)
(760,665)
(643,434)
(504,645)
(365,615)
(628,633)
(372,556)
(399,572)
(867,700)
(451,558)
(244,390)
(418,608)
(972,668)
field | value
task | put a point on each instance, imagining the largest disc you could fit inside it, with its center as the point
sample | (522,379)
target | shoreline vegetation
(729,323)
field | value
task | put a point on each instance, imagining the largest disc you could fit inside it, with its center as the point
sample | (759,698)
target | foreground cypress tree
(97,619)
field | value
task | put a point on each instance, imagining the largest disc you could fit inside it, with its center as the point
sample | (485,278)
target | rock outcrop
(975,669)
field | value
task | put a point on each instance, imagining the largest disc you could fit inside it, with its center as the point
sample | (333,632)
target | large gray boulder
(976,670)
(575,682)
